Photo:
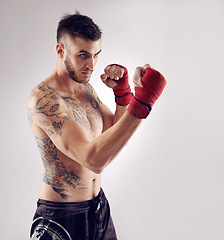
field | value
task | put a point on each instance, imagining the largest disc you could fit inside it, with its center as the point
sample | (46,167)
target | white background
(167,183)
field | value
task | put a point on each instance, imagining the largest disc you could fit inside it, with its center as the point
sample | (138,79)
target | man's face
(80,58)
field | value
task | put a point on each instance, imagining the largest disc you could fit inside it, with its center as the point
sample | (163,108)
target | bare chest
(86,112)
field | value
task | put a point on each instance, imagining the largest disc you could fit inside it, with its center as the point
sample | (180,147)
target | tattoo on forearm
(56,174)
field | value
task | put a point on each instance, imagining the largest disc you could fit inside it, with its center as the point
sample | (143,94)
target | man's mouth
(87,71)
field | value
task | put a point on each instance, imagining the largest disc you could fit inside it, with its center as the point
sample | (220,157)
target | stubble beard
(71,72)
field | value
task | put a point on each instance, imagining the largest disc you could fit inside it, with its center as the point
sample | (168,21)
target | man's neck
(61,81)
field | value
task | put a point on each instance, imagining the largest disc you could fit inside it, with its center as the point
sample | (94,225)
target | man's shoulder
(45,103)
(41,88)
(42,92)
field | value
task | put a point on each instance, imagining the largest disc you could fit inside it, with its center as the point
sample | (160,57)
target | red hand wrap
(153,84)
(122,91)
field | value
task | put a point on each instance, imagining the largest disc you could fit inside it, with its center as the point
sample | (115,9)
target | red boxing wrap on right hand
(122,91)
(153,84)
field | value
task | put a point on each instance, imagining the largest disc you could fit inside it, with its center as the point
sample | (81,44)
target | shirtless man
(78,136)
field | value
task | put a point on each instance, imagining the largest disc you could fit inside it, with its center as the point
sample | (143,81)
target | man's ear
(60,50)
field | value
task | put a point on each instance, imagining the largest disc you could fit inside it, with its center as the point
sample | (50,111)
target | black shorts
(88,220)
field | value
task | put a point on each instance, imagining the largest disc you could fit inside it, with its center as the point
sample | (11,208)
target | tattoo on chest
(81,110)
(91,98)
(55,106)
(56,174)
(78,111)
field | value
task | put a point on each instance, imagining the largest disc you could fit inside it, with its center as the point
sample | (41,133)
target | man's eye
(83,55)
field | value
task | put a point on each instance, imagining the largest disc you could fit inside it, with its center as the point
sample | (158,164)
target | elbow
(97,170)
(94,166)
(95,162)
(86,158)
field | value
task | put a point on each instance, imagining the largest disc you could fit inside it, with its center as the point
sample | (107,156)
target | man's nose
(91,63)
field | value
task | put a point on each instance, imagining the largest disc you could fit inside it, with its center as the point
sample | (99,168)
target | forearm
(102,150)
(120,110)
(116,77)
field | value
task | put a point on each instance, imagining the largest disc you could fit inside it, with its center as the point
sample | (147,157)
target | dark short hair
(77,25)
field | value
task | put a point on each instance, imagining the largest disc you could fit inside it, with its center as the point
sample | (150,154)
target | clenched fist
(116,77)
(149,85)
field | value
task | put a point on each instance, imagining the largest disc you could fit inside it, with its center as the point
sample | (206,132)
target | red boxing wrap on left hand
(153,84)
(122,91)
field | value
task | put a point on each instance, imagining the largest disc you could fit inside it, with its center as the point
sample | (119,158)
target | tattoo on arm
(47,104)
(57,126)
(44,123)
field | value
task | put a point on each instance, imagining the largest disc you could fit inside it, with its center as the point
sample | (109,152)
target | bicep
(107,116)
(109,119)
(67,136)
(64,132)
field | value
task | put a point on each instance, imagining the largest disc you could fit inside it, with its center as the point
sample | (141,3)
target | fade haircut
(77,25)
